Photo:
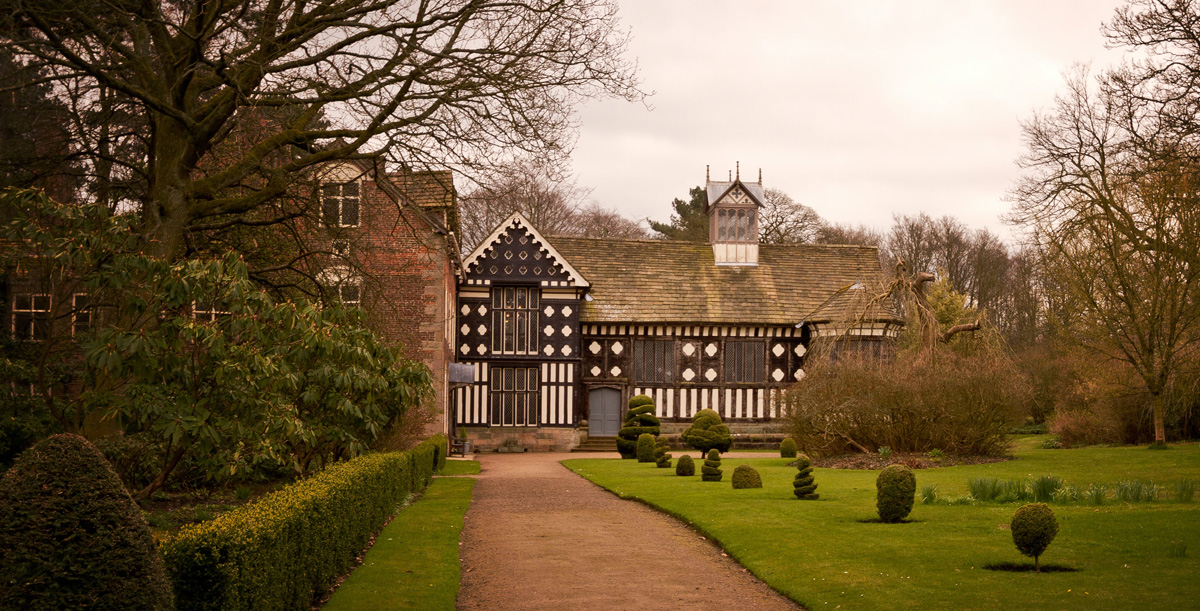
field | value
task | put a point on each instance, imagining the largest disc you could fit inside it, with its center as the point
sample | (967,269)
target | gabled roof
(659,281)
(719,189)
(518,221)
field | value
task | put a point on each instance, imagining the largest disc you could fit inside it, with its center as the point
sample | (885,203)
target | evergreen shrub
(803,486)
(71,536)
(1033,528)
(645,448)
(289,547)
(662,459)
(710,471)
(685,466)
(896,489)
(744,476)
(707,432)
(787,449)
(639,419)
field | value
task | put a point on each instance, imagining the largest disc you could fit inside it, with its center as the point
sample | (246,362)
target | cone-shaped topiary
(707,432)
(787,449)
(72,537)
(744,476)
(639,419)
(685,466)
(662,460)
(1033,528)
(895,488)
(645,448)
(803,486)
(710,471)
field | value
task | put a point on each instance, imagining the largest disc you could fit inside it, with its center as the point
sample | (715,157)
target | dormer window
(339,204)
(733,220)
(736,225)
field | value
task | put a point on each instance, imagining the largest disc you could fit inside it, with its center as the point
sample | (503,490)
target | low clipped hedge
(287,548)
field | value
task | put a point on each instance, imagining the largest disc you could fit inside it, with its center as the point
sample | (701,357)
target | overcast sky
(858,109)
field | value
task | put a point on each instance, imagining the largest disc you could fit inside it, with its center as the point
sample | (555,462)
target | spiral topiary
(640,419)
(685,466)
(710,471)
(896,488)
(72,537)
(787,448)
(645,448)
(1033,528)
(662,460)
(803,486)
(707,432)
(744,476)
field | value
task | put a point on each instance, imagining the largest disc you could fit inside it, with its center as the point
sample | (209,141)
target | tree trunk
(1160,429)
(161,479)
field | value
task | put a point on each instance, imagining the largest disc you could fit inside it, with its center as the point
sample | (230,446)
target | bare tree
(549,200)
(158,87)
(1112,200)
(783,220)
(596,221)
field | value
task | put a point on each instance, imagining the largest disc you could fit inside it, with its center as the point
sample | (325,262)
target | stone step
(597,444)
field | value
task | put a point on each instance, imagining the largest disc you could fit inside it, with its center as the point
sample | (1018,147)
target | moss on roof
(660,281)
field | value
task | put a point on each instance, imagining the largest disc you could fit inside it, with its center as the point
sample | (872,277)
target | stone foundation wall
(746,435)
(521,439)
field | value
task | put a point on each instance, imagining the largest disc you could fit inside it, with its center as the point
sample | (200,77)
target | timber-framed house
(562,330)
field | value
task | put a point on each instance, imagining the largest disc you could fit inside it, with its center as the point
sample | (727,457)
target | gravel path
(537,536)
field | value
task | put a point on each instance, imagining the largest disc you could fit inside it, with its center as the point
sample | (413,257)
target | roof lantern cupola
(733,211)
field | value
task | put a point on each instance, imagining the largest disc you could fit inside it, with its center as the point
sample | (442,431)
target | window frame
(80,312)
(662,364)
(33,315)
(207,312)
(514,399)
(736,366)
(515,327)
(341,199)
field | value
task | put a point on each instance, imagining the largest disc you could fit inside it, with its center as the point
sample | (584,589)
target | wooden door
(604,417)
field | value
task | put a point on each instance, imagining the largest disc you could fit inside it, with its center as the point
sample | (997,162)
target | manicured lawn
(822,555)
(414,562)
(460,467)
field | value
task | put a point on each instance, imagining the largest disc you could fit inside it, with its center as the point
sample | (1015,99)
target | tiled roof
(660,281)
(433,189)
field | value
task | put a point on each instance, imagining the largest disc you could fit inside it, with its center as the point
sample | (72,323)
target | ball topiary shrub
(640,419)
(744,476)
(1033,528)
(708,433)
(803,486)
(710,471)
(662,459)
(896,488)
(645,448)
(787,449)
(72,537)
(685,466)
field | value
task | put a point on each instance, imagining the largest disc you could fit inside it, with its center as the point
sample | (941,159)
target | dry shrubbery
(962,405)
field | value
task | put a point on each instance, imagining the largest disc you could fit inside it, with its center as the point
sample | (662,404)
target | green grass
(822,555)
(460,467)
(414,562)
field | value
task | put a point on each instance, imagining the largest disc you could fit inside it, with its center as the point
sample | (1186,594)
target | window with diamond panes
(515,320)
(514,396)
(654,361)
(745,361)
(339,204)
(31,317)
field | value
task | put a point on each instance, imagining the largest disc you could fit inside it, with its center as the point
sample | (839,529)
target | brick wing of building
(560,330)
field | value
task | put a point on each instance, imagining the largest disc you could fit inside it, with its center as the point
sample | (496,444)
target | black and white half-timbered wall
(562,330)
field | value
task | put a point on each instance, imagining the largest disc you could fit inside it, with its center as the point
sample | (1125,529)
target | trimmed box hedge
(285,549)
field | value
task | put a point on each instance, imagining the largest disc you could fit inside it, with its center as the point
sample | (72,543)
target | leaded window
(31,317)
(745,361)
(515,320)
(654,361)
(736,225)
(339,204)
(514,396)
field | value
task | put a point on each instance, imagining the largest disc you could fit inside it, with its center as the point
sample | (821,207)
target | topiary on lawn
(685,466)
(662,460)
(707,432)
(72,537)
(645,448)
(1033,528)
(787,449)
(710,471)
(896,488)
(803,486)
(744,476)
(640,419)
